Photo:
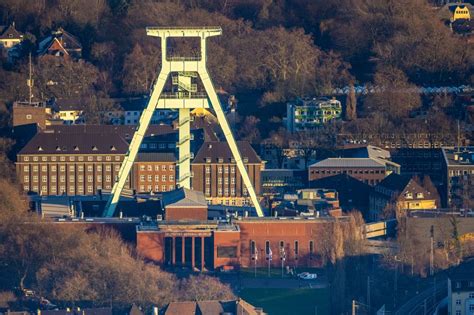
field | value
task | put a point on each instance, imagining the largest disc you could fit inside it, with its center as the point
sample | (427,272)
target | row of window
(156,188)
(157,167)
(221,169)
(226,192)
(72,168)
(62,179)
(348,171)
(219,181)
(160,145)
(164,178)
(62,189)
(72,158)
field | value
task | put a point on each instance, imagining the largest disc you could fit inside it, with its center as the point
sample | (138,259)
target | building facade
(310,113)
(403,194)
(25,113)
(458,176)
(80,160)
(71,164)
(215,173)
(186,240)
(367,170)
(154,172)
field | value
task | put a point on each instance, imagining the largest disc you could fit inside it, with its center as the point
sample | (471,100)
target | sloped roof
(181,308)
(216,150)
(75,143)
(184,198)
(10,32)
(395,182)
(155,157)
(210,307)
(65,39)
(415,188)
(349,162)
(125,131)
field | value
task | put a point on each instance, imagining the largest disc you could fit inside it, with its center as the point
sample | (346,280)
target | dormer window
(408,195)
(76,148)
(58,148)
(246,159)
(94,148)
(232,160)
(40,148)
(419,196)
(220,160)
(208,160)
(112,148)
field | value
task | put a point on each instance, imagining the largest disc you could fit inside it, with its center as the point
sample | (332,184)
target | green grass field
(289,301)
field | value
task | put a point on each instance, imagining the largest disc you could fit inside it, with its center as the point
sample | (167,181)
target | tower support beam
(185,99)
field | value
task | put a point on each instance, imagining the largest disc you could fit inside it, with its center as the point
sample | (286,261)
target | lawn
(288,301)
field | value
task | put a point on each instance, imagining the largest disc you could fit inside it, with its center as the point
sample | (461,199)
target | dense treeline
(283,48)
(69,265)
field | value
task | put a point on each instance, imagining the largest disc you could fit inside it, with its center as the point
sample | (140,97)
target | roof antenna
(30,81)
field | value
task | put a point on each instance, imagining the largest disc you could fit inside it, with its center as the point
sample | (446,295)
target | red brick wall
(276,231)
(178,213)
(151,246)
(148,176)
(226,238)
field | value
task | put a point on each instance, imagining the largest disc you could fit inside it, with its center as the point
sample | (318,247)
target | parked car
(307,276)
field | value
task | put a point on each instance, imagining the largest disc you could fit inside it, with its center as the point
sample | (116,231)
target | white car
(307,276)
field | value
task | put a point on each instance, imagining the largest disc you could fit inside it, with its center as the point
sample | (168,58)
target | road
(426,301)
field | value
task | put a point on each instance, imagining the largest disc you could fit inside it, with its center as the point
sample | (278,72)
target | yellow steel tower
(184,71)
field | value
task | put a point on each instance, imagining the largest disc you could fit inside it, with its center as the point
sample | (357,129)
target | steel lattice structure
(183,70)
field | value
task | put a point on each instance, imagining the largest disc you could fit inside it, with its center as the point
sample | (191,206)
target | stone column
(183,251)
(192,253)
(202,253)
(173,249)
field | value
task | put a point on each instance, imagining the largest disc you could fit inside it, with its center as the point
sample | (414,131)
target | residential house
(403,194)
(215,173)
(306,114)
(10,40)
(133,108)
(70,110)
(61,44)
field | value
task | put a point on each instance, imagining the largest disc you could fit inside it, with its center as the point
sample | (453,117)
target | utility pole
(30,80)
(368,292)
(432,250)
